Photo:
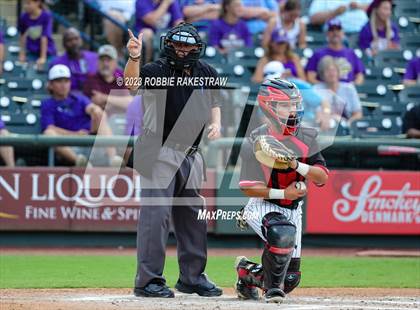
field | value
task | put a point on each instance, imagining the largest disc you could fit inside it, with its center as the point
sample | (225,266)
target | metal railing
(213,149)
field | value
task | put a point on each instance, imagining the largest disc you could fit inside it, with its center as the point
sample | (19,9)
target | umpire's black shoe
(154,290)
(207,289)
(274,295)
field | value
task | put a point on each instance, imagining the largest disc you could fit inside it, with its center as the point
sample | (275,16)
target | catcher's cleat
(246,291)
(274,295)
(246,285)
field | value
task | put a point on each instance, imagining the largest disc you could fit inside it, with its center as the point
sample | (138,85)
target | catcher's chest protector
(281,179)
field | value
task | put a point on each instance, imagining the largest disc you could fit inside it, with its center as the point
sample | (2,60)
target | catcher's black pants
(172,194)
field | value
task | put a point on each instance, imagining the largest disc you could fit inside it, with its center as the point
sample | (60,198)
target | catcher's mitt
(240,221)
(272,153)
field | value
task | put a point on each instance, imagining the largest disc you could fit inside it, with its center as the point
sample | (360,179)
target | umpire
(170,163)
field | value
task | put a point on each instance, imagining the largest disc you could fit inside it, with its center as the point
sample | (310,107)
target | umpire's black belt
(189,150)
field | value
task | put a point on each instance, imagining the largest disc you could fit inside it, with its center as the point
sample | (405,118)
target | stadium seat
(410,94)
(372,91)
(23,123)
(316,39)
(380,126)
(391,108)
(390,59)
(385,75)
(213,56)
(407,8)
(248,57)
(235,72)
(12,69)
(19,84)
(412,43)
(405,25)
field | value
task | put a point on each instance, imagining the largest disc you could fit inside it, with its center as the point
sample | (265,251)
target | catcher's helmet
(281,102)
(184,33)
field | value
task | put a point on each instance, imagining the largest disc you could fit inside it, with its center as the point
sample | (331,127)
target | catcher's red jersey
(304,146)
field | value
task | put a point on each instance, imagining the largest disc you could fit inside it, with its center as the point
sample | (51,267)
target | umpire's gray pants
(173,192)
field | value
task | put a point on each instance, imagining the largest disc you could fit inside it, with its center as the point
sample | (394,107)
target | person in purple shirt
(134,117)
(351,67)
(379,33)
(66,113)
(1,52)
(201,12)
(279,50)
(35,28)
(134,122)
(81,62)
(152,15)
(103,88)
(412,72)
(229,31)
(6,152)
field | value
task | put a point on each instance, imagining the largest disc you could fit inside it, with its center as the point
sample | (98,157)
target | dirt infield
(116,299)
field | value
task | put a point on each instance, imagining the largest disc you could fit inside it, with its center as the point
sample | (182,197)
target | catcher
(276,158)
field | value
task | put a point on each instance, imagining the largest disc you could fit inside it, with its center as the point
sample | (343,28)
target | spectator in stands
(311,100)
(229,31)
(1,52)
(351,67)
(134,122)
(98,86)
(379,33)
(201,11)
(121,11)
(134,117)
(411,122)
(35,28)
(288,23)
(81,62)
(279,49)
(351,13)
(66,113)
(257,13)
(6,152)
(340,99)
(153,15)
(412,72)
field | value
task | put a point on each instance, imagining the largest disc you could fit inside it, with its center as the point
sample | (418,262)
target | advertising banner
(365,202)
(72,199)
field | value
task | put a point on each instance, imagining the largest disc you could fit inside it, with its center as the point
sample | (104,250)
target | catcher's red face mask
(284,113)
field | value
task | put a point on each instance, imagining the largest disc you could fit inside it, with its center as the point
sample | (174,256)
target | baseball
(301,185)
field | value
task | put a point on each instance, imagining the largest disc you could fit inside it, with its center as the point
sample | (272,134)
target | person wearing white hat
(66,113)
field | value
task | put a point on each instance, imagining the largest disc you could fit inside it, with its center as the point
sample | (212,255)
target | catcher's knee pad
(293,275)
(279,232)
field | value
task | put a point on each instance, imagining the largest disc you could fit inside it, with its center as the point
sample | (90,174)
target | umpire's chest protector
(177,113)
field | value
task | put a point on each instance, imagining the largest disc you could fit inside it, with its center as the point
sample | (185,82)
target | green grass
(36,271)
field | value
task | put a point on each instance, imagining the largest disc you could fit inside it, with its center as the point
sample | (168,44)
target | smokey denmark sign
(365,202)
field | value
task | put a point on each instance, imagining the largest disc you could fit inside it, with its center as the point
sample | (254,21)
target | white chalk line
(303,303)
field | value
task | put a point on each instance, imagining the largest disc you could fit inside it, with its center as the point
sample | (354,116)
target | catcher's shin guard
(249,278)
(280,235)
(293,275)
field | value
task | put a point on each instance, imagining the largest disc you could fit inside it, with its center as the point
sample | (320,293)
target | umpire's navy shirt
(187,128)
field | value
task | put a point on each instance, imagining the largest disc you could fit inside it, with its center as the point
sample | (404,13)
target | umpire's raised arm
(132,68)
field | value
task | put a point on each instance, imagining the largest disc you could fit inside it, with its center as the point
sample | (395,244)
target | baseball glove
(272,153)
